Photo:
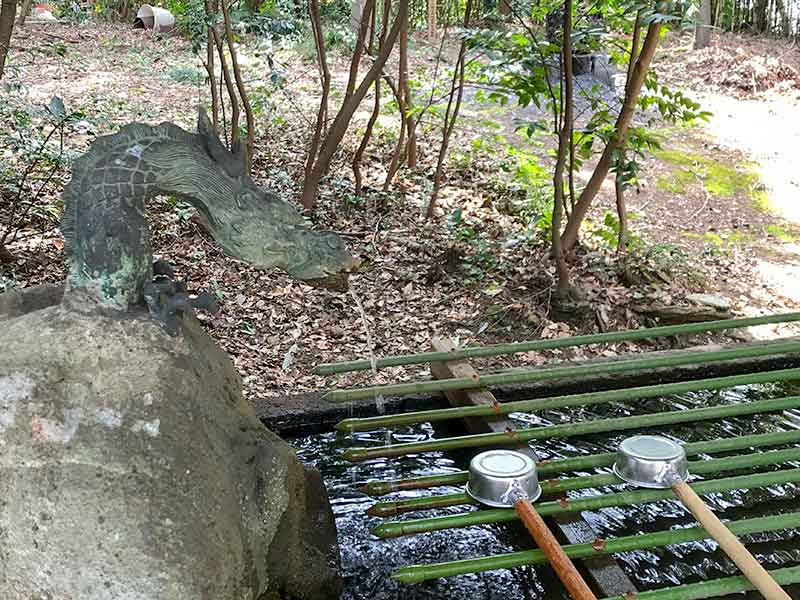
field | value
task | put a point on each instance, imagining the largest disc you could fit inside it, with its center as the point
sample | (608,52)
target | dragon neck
(107,240)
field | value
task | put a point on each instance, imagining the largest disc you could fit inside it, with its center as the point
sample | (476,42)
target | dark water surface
(368,561)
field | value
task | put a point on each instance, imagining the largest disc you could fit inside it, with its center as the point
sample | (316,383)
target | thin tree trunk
(376,108)
(410,122)
(349,106)
(432,24)
(564,142)
(619,187)
(397,154)
(210,70)
(571,172)
(212,82)
(367,135)
(402,105)
(570,236)
(358,51)
(325,75)
(702,29)
(356,15)
(226,76)
(248,110)
(24,12)
(622,213)
(8,12)
(450,118)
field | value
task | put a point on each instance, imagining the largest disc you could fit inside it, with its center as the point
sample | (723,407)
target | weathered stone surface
(131,468)
(19,302)
(714,301)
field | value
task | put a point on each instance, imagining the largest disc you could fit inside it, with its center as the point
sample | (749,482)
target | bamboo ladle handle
(548,544)
(748,565)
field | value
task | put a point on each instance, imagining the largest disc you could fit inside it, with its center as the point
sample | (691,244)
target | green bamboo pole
(530,375)
(381,488)
(560,486)
(538,404)
(389,529)
(519,436)
(583,463)
(714,588)
(580,340)
(420,573)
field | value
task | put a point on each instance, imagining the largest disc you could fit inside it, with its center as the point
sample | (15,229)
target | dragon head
(265,231)
(319,258)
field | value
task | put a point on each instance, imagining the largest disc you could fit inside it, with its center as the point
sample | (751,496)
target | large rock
(131,468)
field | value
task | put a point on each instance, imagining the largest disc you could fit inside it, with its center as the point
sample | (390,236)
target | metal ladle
(505,479)
(658,462)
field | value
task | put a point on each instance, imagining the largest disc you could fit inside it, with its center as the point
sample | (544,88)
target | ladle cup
(505,479)
(657,462)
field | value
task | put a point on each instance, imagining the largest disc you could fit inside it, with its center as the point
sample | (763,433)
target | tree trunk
(8,11)
(361,39)
(376,107)
(367,135)
(356,15)
(564,143)
(450,117)
(760,15)
(325,80)
(400,149)
(24,12)
(619,187)
(622,215)
(226,77)
(702,29)
(411,123)
(210,70)
(248,111)
(433,32)
(342,119)
(570,236)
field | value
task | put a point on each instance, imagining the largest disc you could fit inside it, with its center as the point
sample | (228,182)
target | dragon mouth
(351,264)
(338,282)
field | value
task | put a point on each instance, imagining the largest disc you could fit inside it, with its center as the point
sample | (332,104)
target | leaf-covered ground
(478,273)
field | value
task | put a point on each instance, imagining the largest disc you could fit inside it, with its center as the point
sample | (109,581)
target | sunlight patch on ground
(767,131)
(783,277)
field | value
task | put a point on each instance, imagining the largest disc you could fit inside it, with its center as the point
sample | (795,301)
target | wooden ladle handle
(548,544)
(748,565)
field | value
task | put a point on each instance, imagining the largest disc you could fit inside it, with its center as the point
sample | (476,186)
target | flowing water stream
(368,561)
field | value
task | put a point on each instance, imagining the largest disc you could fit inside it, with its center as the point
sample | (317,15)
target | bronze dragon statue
(107,239)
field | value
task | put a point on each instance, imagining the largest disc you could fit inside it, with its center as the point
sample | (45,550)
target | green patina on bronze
(105,229)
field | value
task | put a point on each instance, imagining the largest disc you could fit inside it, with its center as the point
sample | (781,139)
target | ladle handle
(548,544)
(748,565)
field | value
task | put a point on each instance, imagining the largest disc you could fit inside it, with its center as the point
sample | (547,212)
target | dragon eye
(333,242)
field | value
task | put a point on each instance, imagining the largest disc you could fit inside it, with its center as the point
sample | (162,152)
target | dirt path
(768,133)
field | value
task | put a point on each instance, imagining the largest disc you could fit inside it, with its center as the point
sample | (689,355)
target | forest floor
(714,210)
